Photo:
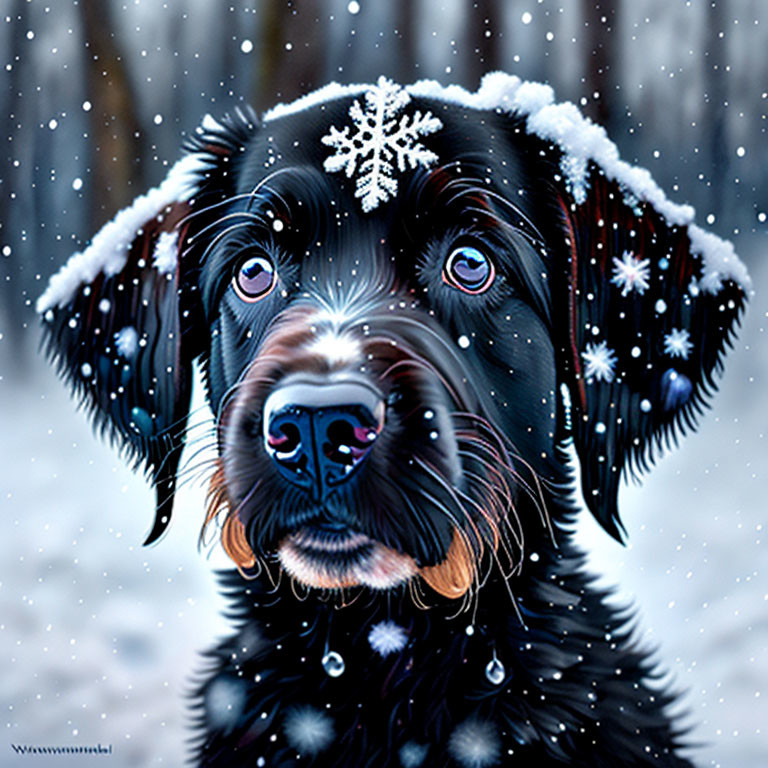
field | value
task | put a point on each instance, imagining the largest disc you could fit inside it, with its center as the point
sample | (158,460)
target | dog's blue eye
(469,270)
(254,278)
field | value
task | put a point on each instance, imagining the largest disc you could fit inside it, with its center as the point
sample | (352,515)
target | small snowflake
(412,755)
(631,274)
(387,637)
(475,744)
(677,343)
(576,172)
(127,342)
(377,139)
(308,730)
(166,253)
(600,360)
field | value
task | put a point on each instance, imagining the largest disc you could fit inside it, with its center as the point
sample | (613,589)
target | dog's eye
(469,270)
(254,278)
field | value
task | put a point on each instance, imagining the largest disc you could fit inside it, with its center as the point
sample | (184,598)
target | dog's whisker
(197,213)
(509,514)
(535,492)
(245,225)
(245,217)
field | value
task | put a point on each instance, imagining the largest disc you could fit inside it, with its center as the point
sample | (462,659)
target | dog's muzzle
(318,429)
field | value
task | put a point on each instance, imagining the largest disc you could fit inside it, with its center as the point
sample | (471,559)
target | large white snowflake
(631,274)
(377,139)
(677,343)
(600,360)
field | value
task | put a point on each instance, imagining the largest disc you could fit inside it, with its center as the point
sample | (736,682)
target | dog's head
(406,301)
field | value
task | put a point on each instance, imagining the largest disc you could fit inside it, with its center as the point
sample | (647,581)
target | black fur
(574,689)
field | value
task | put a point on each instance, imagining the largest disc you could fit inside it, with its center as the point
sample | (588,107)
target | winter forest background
(99,637)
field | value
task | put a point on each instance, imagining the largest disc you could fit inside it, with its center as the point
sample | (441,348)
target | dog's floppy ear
(117,321)
(644,301)
(649,302)
(123,319)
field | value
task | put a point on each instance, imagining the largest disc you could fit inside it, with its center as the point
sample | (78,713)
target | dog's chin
(337,561)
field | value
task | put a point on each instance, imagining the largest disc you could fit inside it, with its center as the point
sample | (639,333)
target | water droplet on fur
(495,671)
(141,420)
(333,664)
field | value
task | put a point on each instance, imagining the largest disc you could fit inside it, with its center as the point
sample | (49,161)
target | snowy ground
(98,636)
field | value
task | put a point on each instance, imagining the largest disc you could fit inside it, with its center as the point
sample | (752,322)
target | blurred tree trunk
(484,22)
(291,51)
(601,20)
(715,104)
(19,219)
(116,137)
(406,36)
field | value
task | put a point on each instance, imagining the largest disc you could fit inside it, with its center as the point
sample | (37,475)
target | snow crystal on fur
(308,730)
(127,342)
(108,250)
(166,253)
(474,744)
(224,701)
(412,755)
(329,92)
(387,637)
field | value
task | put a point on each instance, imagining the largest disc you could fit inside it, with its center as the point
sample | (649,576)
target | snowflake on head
(677,343)
(600,360)
(379,141)
(631,274)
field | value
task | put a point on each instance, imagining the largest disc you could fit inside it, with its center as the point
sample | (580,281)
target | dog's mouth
(335,556)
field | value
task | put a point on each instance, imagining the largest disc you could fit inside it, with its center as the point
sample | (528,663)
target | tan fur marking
(455,575)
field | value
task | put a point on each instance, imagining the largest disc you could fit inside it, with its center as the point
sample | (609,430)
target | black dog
(410,305)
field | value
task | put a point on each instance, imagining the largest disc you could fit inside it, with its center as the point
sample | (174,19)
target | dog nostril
(347,443)
(285,440)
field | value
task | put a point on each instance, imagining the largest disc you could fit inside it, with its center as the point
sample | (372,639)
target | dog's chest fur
(573,691)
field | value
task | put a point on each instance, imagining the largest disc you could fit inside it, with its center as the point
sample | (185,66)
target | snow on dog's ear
(645,302)
(123,319)
(651,306)
(117,320)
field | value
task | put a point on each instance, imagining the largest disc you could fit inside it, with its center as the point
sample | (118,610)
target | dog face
(406,302)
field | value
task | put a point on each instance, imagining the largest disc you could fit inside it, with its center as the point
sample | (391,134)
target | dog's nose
(319,429)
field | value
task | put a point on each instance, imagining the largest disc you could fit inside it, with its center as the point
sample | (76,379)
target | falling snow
(108,250)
